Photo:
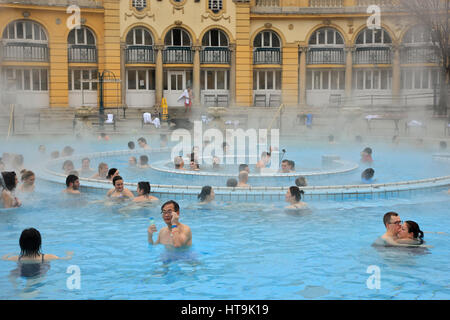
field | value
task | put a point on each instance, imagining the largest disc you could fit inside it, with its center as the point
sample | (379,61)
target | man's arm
(181,237)
(150,232)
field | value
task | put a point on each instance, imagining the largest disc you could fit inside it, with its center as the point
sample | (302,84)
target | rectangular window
(425,79)
(19,26)
(131,79)
(151,79)
(341,80)
(11,32)
(278,80)
(255,80)
(360,80)
(316,76)
(85,74)
(37,33)
(80,35)
(94,77)
(210,80)
(44,80)
(220,80)
(26,80)
(270,80)
(384,80)
(417,78)
(28,30)
(334,80)
(376,80)
(138,34)
(202,80)
(76,79)
(142,80)
(69,80)
(368,83)
(408,79)
(165,81)
(19,80)
(325,79)
(262,80)
(309,80)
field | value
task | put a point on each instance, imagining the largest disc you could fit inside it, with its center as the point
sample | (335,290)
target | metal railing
(380,3)
(139,54)
(268,3)
(267,56)
(82,53)
(325,56)
(18,51)
(419,55)
(178,55)
(326,3)
(215,55)
(371,55)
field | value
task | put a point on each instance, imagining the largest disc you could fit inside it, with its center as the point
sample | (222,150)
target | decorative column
(396,71)
(303,50)
(158,74)
(232,80)
(349,70)
(196,75)
(123,52)
(289,82)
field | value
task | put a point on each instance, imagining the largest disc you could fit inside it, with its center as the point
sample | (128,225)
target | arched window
(25,30)
(417,35)
(267,39)
(373,37)
(82,36)
(215,38)
(177,37)
(326,36)
(139,36)
(419,47)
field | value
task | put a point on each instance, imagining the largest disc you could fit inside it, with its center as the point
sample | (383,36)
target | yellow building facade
(230,52)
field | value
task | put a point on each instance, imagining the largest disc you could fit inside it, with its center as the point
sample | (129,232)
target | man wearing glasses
(393,225)
(176,233)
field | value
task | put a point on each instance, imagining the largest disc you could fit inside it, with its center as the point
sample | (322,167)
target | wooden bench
(389,117)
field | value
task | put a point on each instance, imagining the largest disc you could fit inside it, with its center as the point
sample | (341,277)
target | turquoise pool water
(240,250)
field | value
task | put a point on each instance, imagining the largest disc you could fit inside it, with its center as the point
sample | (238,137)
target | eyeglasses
(166,212)
(397,222)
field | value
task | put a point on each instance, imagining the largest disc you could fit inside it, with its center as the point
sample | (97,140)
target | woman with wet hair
(31,260)
(207,195)
(8,184)
(410,233)
(27,179)
(143,191)
(293,197)
(113,172)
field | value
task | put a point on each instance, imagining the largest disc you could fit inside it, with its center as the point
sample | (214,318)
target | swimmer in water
(176,234)
(113,172)
(102,172)
(119,191)
(366,155)
(367,176)
(143,191)
(68,166)
(143,162)
(264,162)
(410,233)
(85,170)
(243,179)
(27,179)
(193,166)
(8,184)
(285,166)
(73,185)
(143,144)
(54,155)
(132,162)
(232,182)
(67,151)
(179,163)
(131,145)
(301,182)
(207,195)
(293,197)
(244,167)
(393,223)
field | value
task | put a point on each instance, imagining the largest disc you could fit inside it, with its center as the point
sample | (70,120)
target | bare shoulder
(50,257)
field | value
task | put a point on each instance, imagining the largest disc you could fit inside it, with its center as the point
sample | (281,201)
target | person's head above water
(243,176)
(54,154)
(410,230)
(102,169)
(10,180)
(207,194)
(366,155)
(167,209)
(244,167)
(67,151)
(117,182)
(291,165)
(30,243)
(132,161)
(392,222)
(143,188)
(143,160)
(85,163)
(73,182)
(142,142)
(131,145)
(301,182)
(68,166)
(294,194)
(232,182)
(367,174)
(285,166)
(113,172)
(367,151)
(179,162)
(41,148)
(28,177)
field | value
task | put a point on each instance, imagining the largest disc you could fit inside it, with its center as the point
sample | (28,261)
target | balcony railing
(326,3)
(268,3)
(419,55)
(215,55)
(25,52)
(140,54)
(267,56)
(177,55)
(380,3)
(82,53)
(372,55)
(325,56)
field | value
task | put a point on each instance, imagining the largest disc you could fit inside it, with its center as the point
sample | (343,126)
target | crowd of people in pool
(175,233)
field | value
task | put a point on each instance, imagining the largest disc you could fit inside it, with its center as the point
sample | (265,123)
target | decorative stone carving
(178,22)
(290,26)
(215,17)
(268,25)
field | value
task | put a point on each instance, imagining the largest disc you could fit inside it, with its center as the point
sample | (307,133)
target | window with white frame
(326,36)
(139,4)
(141,79)
(214,80)
(139,36)
(266,39)
(372,79)
(25,30)
(373,37)
(417,35)
(215,5)
(419,79)
(325,80)
(215,38)
(267,80)
(27,79)
(82,36)
(85,80)
(177,37)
